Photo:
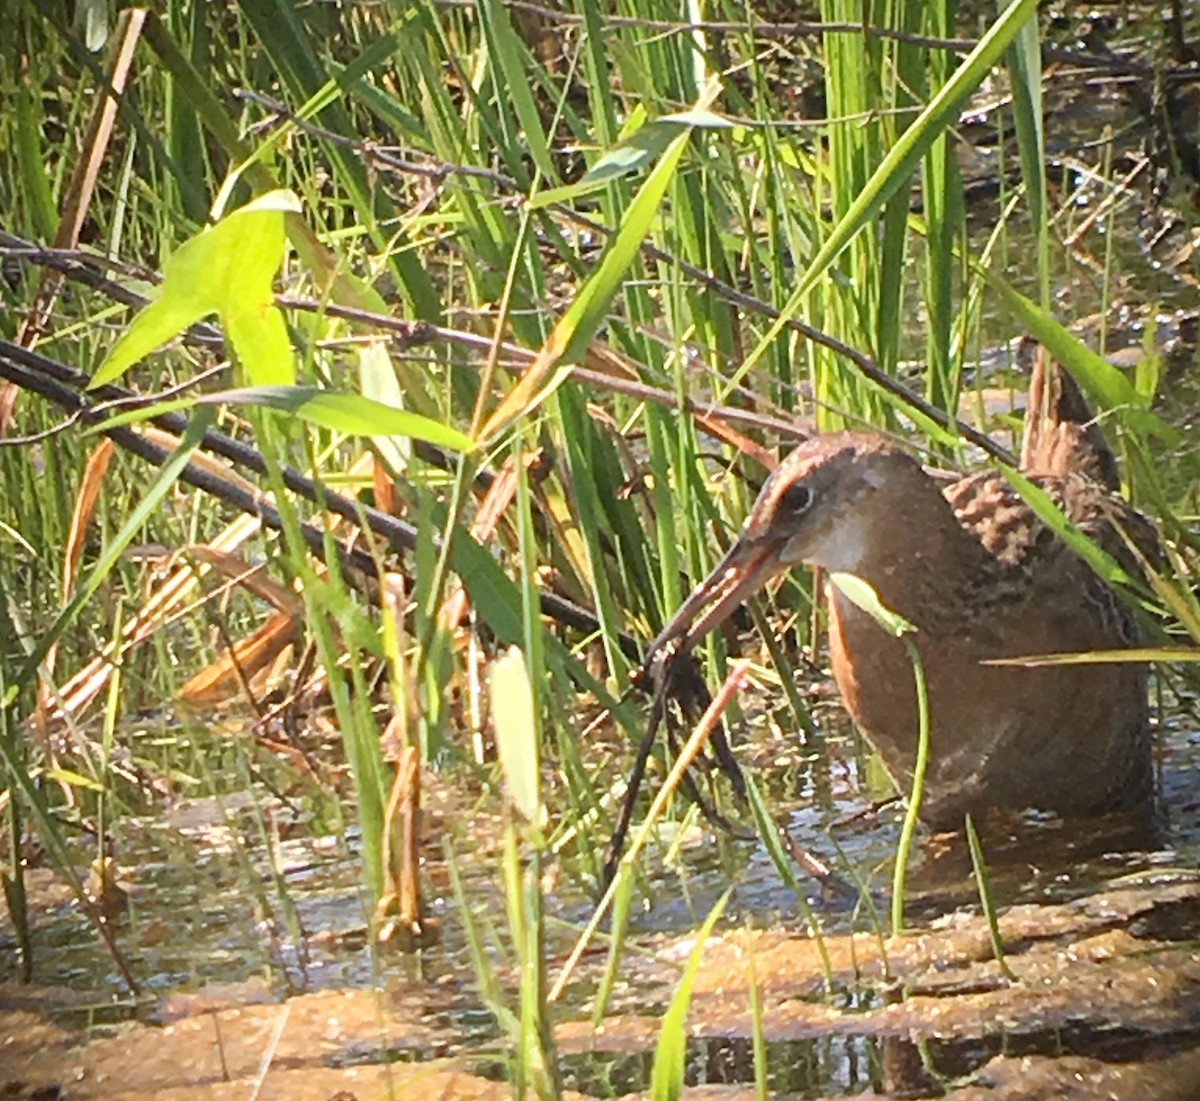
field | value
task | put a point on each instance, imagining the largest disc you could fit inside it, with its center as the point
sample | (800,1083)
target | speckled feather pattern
(991,509)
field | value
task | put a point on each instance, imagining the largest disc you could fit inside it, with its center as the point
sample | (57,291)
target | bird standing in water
(971,566)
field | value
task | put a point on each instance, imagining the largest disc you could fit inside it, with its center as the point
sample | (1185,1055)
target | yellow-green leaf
(349,413)
(862,595)
(227,269)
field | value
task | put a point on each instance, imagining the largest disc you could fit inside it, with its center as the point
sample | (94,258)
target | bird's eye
(796,498)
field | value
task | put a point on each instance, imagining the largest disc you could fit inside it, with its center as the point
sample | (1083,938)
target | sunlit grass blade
(899,162)
(757,1040)
(1102,383)
(1137,655)
(623,885)
(983,882)
(1048,512)
(589,310)
(670,1053)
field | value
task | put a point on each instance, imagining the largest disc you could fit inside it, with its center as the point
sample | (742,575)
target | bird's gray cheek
(838,547)
(796,550)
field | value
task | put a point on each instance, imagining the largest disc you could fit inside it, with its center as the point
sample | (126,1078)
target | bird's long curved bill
(748,565)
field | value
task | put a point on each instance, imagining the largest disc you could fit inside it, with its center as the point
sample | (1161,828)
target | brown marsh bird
(970,565)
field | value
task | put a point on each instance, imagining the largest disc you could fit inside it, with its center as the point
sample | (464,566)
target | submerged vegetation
(376,378)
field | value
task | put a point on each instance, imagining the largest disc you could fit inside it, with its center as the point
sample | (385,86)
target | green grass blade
(1024,59)
(903,157)
(670,1053)
(589,310)
(286,41)
(983,882)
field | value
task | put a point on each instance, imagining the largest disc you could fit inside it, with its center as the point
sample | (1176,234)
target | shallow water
(237,908)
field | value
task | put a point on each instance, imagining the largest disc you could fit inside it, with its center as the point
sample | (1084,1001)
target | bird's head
(821,506)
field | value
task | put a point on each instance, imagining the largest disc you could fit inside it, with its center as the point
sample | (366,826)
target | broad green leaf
(628,156)
(227,269)
(158,323)
(633,153)
(260,336)
(349,413)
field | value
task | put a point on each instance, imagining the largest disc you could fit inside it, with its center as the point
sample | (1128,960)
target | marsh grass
(558,184)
